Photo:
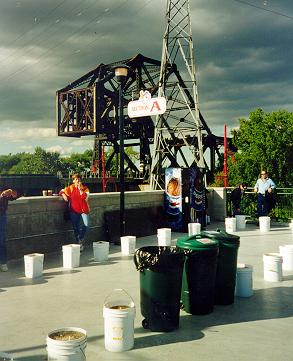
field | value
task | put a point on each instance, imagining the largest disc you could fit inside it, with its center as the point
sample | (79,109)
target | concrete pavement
(259,328)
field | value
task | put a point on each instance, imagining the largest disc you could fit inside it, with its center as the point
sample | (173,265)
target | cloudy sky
(243,52)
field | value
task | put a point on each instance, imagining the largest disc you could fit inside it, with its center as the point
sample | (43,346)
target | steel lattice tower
(178,132)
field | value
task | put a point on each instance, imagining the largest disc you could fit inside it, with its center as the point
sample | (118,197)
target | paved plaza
(259,328)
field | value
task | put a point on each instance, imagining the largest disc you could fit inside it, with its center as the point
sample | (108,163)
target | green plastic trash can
(160,270)
(199,274)
(227,265)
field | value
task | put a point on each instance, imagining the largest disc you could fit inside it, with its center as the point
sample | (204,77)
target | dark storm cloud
(243,53)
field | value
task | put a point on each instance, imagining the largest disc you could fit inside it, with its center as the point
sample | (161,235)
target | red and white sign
(146,105)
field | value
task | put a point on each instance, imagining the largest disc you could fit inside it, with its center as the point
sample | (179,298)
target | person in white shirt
(264,187)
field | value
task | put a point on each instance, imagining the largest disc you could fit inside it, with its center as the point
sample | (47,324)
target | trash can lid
(222,236)
(197,243)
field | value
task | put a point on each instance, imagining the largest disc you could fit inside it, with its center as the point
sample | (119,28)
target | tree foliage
(264,141)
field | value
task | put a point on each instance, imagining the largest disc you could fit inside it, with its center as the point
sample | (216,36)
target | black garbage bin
(199,274)
(160,270)
(227,265)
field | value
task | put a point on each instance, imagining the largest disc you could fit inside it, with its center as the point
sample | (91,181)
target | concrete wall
(36,224)
(217,203)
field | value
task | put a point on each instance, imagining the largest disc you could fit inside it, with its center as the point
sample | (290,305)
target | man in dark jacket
(236,196)
(5,196)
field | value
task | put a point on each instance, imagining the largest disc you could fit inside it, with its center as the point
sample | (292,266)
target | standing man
(77,195)
(264,187)
(236,197)
(5,196)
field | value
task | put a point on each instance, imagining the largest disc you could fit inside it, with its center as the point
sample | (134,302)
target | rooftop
(257,328)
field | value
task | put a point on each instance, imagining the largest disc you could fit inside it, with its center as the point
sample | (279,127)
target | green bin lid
(221,236)
(197,243)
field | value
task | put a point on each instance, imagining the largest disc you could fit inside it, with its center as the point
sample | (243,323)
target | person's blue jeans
(80,224)
(3,250)
(262,205)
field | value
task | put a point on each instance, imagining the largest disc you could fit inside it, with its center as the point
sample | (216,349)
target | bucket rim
(80,340)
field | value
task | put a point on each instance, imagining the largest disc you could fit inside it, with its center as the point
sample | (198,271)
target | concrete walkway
(259,328)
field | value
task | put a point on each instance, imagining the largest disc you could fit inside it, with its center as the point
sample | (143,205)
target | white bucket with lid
(193,228)
(240,222)
(119,314)
(264,224)
(67,344)
(101,251)
(230,225)
(273,267)
(5,356)
(164,236)
(287,253)
(244,281)
(128,245)
(71,255)
(33,264)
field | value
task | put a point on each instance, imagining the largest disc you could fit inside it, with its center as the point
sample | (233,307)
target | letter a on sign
(146,106)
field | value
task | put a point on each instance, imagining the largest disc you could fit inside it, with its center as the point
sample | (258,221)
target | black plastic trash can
(160,270)
(227,265)
(199,274)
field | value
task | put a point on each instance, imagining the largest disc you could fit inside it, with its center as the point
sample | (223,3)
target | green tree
(8,161)
(40,162)
(264,141)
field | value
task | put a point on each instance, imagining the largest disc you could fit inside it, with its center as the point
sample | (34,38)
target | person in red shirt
(77,196)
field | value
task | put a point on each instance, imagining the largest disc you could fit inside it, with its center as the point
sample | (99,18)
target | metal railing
(282,212)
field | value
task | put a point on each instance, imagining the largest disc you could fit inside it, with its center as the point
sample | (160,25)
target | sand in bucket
(67,344)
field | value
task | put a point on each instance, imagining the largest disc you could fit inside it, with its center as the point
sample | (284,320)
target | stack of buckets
(101,251)
(128,244)
(164,236)
(119,313)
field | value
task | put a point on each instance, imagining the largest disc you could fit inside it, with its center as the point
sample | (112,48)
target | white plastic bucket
(230,225)
(273,267)
(264,224)
(128,245)
(119,314)
(101,251)
(33,265)
(193,229)
(164,236)
(67,350)
(240,222)
(5,356)
(244,281)
(71,255)
(287,253)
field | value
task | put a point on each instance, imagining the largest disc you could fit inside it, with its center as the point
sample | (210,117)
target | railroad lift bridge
(179,138)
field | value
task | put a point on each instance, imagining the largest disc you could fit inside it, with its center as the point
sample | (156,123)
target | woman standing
(77,196)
